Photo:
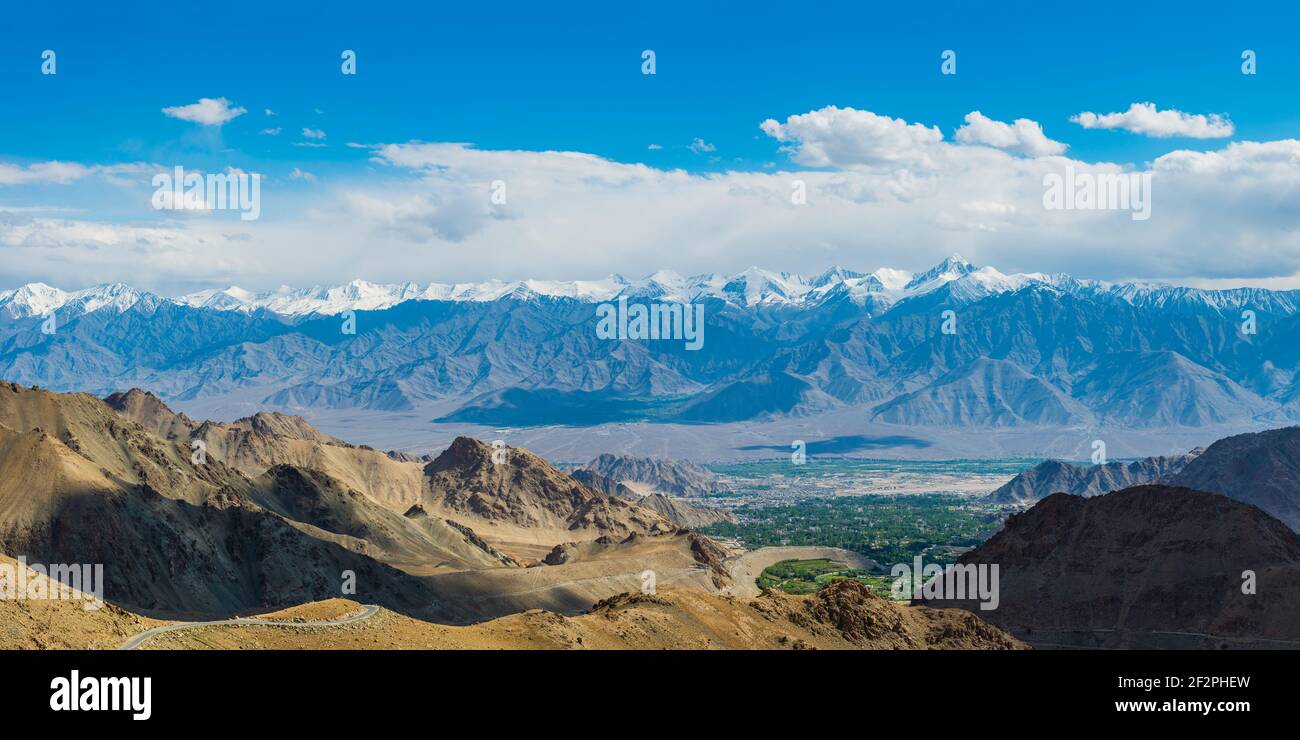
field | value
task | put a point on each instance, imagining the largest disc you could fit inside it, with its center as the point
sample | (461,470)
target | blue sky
(522,77)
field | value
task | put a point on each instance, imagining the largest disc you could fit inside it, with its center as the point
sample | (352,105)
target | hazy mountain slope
(607,486)
(673,509)
(1156,389)
(683,514)
(1261,469)
(1111,570)
(985,393)
(1055,476)
(676,478)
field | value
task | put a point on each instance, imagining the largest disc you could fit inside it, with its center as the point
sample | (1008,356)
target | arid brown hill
(843,616)
(522,504)
(1133,567)
(81,484)
(255,444)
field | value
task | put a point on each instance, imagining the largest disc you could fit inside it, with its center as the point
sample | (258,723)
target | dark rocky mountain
(1056,476)
(1261,468)
(1133,567)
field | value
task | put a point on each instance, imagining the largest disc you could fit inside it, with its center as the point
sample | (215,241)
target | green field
(810,576)
(887,529)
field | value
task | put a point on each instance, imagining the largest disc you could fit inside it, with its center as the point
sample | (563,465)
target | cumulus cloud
(313,133)
(271,131)
(880,192)
(206,112)
(846,137)
(1144,118)
(1023,136)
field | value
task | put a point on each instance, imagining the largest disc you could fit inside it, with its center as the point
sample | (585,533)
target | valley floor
(840,432)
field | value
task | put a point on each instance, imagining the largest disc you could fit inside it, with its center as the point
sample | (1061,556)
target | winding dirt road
(369,611)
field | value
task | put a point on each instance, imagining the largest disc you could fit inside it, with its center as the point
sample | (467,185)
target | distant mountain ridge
(671,508)
(1056,476)
(673,477)
(1024,350)
(1259,468)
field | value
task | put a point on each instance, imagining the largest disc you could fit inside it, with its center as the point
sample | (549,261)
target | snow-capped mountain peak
(950,269)
(751,287)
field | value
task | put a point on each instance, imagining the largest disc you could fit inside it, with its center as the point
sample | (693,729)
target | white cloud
(271,131)
(881,192)
(846,137)
(270,112)
(1023,136)
(50,172)
(313,133)
(207,112)
(298,174)
(654,147)
(700,146)
(1144,118)
(63,173)
(312,144)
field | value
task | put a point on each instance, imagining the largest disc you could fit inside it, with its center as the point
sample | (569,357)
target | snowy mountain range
(1026,350)
(751,287)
